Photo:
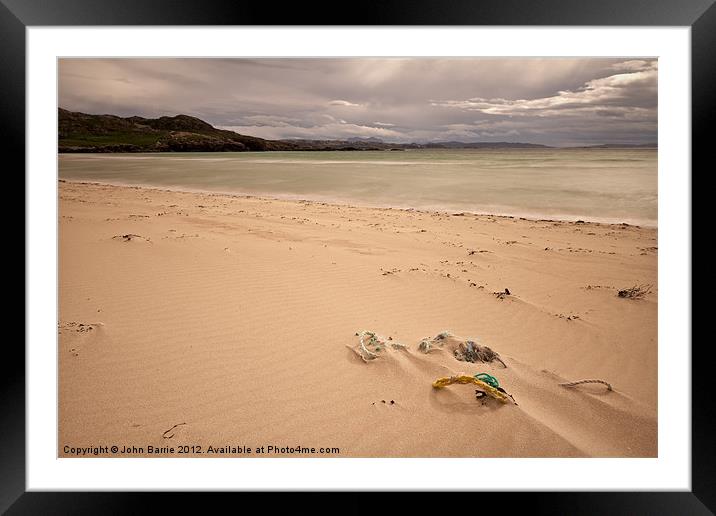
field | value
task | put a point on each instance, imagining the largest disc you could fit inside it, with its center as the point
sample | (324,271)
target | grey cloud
(396,99)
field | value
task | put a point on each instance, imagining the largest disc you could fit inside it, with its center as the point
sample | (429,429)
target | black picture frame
(17,15)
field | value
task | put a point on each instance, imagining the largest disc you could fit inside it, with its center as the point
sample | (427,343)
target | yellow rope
(463,379)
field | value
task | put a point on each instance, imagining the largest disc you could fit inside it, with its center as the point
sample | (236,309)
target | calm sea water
(591,184)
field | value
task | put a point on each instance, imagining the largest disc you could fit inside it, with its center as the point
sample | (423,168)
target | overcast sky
(548,101)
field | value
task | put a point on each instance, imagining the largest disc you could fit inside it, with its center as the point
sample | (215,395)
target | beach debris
(488,379)
(165,436)
(567,318)
(371,344)
(130,237)
(579,382)
(470,351)
(392,402)
(80,327)
(502,294)
(488,385)
(635,292)
(426,344)
(463,350)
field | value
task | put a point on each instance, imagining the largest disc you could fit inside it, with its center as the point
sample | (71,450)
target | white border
(670,471)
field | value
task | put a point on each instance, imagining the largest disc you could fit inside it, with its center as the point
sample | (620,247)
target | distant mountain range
(620,146)
(81,132)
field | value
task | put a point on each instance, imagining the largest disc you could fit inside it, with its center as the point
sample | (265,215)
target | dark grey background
(15,15)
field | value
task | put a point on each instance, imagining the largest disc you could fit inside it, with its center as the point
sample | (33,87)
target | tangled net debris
(466,351)
(427,344)
(470,351)
(371,344)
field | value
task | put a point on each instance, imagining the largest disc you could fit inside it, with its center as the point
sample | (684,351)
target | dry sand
(232,318)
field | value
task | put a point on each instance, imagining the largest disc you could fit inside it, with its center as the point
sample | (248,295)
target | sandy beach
(209,320)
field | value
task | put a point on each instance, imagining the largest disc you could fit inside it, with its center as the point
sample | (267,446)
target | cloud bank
(550,101)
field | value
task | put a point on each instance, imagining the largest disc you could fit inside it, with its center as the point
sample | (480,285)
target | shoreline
(431,149)
(199,319)
(333,202)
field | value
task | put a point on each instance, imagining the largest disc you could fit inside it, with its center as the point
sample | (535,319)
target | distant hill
(620,146)
(82,132)
(484,145)
(371,139)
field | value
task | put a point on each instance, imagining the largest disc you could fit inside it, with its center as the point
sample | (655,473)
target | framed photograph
(421,252)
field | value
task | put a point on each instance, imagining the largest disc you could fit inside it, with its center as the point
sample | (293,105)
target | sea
(600,185)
